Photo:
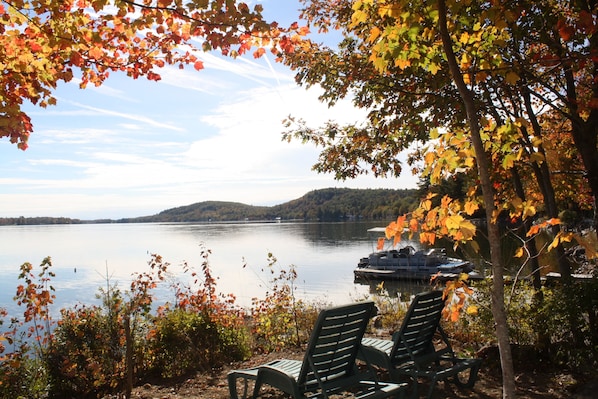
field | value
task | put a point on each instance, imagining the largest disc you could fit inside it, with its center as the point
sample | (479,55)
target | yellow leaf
(464,38)
(357,5)
(434,68)
(467,229)
(472,309)
(465,61)
(529,210)
(519,252)
(471,207)
(454,222)
(429,157)
(426,204)
(555,242)
(358,17)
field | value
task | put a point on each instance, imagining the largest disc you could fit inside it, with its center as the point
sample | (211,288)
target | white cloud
(134,148)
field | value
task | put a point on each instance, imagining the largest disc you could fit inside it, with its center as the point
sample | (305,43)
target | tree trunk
(483,165)
(585,130)
(128,356)
(545,183)
(585,137)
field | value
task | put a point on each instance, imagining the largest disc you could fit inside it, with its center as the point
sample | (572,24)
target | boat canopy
(377,230)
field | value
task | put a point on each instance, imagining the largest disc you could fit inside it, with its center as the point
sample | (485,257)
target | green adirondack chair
(411,354)
(329,365)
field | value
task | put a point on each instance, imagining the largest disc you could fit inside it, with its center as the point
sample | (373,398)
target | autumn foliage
(93,350)
(43,43)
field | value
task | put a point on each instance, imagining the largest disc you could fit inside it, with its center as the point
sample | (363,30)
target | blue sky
(134,148)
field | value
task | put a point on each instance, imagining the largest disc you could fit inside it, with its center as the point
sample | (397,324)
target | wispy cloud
(138,117)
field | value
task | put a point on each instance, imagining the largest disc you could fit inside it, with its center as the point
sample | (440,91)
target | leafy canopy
(44,42)
(392,62)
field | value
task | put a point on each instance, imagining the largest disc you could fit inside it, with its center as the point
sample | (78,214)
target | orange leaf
(198,65)
(413,225)
(427,238)
(96,52)
(533,230)
(259,52)
(454,314)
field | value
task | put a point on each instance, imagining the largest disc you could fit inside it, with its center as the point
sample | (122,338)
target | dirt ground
(534,380)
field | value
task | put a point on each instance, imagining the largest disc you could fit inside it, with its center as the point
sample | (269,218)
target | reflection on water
(84,257)
(404,290)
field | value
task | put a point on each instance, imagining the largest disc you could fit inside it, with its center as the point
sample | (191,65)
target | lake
(324,255)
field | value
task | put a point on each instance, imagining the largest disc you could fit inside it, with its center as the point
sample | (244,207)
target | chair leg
(413,387)
(232,385)
(433,382)
(473,376)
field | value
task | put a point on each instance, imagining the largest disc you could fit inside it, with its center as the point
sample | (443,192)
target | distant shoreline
(325,205)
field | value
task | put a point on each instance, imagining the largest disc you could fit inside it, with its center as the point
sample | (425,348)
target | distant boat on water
(407,263)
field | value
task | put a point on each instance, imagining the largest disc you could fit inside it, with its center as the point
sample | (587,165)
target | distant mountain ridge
(330,204)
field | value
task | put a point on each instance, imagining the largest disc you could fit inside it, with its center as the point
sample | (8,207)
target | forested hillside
(339,204)
(331,204)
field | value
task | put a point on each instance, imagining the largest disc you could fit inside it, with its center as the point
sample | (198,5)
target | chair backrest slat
(334,342)
(417,331)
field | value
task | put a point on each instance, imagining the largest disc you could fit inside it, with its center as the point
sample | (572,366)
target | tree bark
(545,183)
(483,165)
(128,356)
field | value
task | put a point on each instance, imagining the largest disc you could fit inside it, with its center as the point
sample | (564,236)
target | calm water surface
(324,255)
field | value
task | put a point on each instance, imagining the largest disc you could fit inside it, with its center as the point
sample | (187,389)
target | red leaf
(198,65)
(76,59)
(565,30)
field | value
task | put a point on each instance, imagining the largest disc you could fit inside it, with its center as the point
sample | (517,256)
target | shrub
(21,375)
(86,357)
(280,320)
(184,341)
(570,315)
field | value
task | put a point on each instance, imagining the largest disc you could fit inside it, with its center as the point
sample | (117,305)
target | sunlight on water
(324,255)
